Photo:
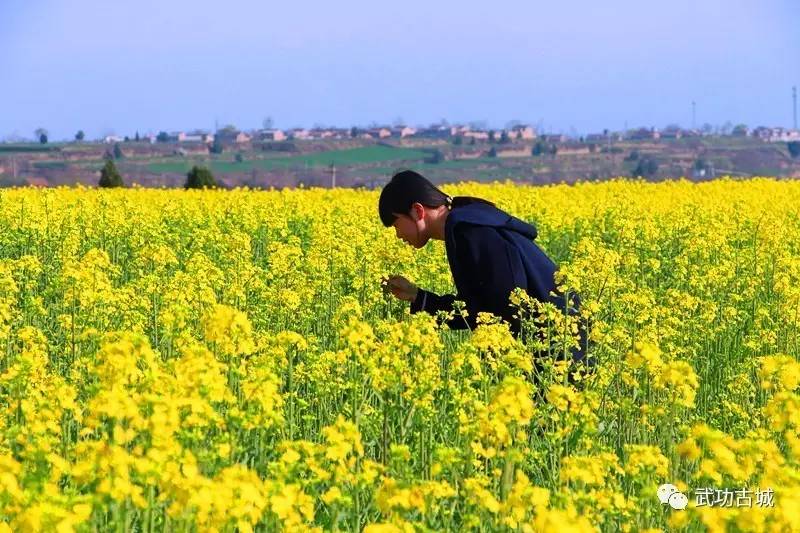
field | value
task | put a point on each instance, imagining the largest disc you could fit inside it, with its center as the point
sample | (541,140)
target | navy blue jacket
(490,253)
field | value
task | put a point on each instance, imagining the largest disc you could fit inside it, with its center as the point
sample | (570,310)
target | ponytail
(460,201)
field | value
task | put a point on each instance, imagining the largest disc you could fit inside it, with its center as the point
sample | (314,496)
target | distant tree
(239,158)
(700,164)
(435,158)
(109,176)
(118,151)
(200,177)
(127,139)
(504,139)
(794,148)
(646,167)
(491,136)
(633,156)
(740,130)
(458,140)
(707,128)
(492,152)
(162,137)
(80,136)
(652,167)
(538,148)
(216,147)
(137,138)
(41,135)
(353,132)
(267,123)
(472,141)
(553,149)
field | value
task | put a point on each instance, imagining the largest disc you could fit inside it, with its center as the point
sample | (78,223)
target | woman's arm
(432,303)
(489,269)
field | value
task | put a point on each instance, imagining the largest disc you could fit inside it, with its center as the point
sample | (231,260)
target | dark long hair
(407,187)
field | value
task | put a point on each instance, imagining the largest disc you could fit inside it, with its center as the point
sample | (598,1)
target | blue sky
(571,66)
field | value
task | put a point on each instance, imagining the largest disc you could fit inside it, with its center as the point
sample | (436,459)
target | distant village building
(233,136)
(199,136)
(341,133)
(643,134)
(671,133)
(776,134)
(437,131)
(379,133)
(554,138)
(321,133)
(111,139)
(403,131)
(522,132)
(271,135)
(596,138)
(300,134)
(478,135)
(762,133)
(467,132)
(573,148)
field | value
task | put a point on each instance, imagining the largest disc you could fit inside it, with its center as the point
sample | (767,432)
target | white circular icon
(665,491)
(678,501)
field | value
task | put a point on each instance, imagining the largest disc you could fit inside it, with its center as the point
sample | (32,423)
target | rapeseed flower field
(227,361)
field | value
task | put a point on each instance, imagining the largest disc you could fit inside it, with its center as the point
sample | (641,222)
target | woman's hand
(400,287)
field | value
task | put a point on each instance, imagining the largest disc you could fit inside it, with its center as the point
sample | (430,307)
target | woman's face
(406,228)
(410,230)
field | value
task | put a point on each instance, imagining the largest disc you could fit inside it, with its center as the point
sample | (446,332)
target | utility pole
(333,175)
(794,105)
(693,115)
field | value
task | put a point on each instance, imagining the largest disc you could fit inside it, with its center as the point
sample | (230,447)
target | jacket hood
(486,215)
